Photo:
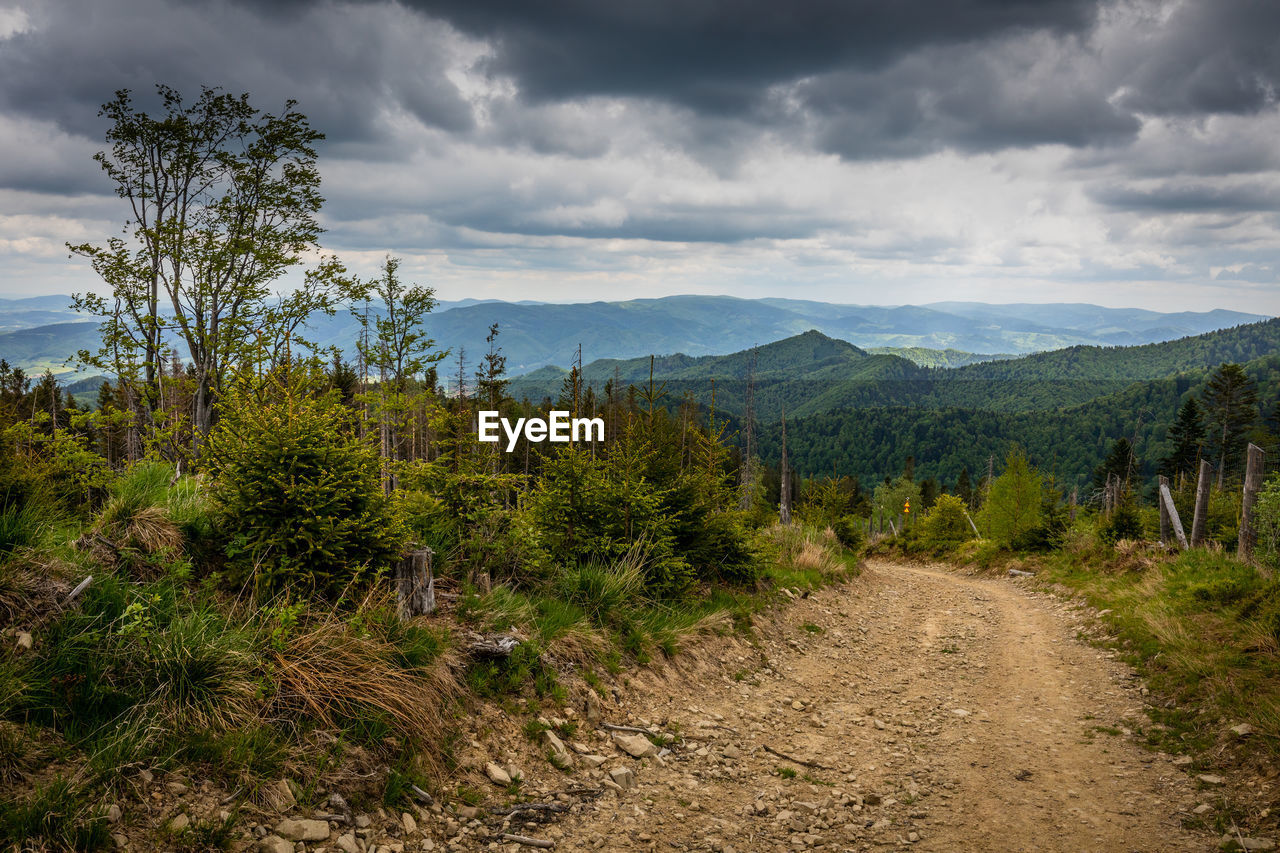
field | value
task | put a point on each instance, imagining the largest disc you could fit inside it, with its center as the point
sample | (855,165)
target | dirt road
(935,712)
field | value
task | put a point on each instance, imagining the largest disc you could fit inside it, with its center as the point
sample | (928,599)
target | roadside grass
(596,616)
(1202,628)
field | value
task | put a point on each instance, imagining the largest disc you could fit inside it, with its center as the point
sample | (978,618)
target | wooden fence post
(1164,512)
(1167,508)
(1201,518)
(1252,484)
(415,585)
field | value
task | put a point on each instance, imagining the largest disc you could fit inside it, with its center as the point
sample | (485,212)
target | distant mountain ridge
(534,334)
(812,373)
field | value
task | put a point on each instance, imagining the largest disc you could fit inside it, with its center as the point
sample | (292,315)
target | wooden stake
(1167,508)
(1164,512)
(1201,518)
(1252,485)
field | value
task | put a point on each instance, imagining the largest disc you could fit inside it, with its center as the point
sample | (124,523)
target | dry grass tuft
(579,645)
(814,556)
(336,675)
(151,530)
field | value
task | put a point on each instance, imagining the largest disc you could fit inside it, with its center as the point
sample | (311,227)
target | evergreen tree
(1187,435)
(964,486)
(1120,462)
(1231,404)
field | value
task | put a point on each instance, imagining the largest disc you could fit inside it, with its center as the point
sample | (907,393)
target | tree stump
(415,585)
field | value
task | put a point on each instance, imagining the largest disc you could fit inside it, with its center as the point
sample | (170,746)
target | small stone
(497,775)
(1210,779)
(468,812)
(1242,730)
(591,705)
(797,705)
(410,825)
(279,796)
(179,823)
(121,840)
(960,712)
(24,641)
(637,746)
(177,787)
(275,844)
(1256,843)
(1183,761)
(113,813)
(623,777)
(731,752)
(593,761)
(557,746)
(363,821)
(348,844)
(146,776)
(913,837)
(303,830)
(1203,808)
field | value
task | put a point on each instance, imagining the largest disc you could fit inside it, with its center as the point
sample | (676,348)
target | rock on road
(933,711)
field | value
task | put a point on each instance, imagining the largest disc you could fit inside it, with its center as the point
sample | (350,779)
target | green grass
(1202,628)
(59,816)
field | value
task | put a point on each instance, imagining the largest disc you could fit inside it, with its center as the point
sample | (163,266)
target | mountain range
(41,332)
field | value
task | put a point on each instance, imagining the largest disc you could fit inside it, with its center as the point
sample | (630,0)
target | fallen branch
(528,842)
(529,807)
(1019,573)
(795,760)
(422,795)
(80,587)
(493,646)
(588,792)
(634,729)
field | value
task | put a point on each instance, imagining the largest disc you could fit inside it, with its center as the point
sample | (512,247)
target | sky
(856,151)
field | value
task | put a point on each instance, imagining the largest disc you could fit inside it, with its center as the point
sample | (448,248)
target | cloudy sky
(1124,153)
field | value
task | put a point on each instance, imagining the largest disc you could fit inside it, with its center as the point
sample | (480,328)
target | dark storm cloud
(1214,56)
(341,63)
(718,56)
(1197,197)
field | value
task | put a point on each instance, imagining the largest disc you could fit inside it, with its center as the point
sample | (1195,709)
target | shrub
(849,532)
(946,525)
(1124,523)
(300,494)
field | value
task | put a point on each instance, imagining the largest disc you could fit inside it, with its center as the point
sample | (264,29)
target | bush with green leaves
(586,510)
(1125,522)
(946,524)
(849,531)
(300,493)
(1266,521)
